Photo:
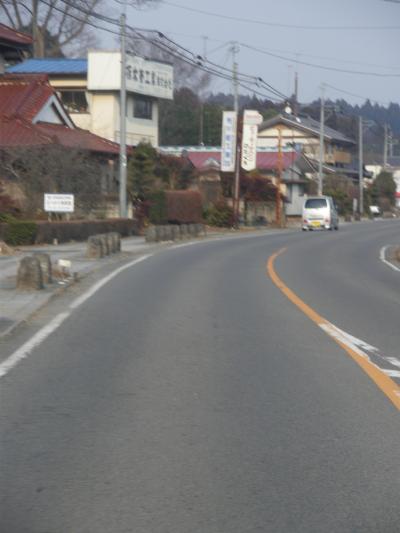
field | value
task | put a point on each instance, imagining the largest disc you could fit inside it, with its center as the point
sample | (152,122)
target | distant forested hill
(188,120)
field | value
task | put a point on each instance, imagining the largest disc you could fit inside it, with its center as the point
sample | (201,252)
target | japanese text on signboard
(228,154)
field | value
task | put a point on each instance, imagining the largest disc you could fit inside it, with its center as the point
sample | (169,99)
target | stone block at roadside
(175,233)
(45,265)
(151,234)
(95,248)
(116,241)
(29,274)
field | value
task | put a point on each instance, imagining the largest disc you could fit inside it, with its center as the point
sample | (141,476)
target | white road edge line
(37,339)
(382,256)
(89,293)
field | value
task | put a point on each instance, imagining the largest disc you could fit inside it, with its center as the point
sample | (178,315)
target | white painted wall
(103,115)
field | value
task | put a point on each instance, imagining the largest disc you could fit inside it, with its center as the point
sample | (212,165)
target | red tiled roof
(265,160)
(21,99)
(77,138)
(23,96)
(17,132)
(13,36)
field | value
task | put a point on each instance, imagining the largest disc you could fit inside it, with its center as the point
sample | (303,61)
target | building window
(74,101)
(142,107)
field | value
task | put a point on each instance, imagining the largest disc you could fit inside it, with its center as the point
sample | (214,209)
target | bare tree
(57,25)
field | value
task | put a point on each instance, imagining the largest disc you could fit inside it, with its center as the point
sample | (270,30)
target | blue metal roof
(50,66)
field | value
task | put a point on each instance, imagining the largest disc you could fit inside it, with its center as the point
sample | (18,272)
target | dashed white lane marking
(382,256)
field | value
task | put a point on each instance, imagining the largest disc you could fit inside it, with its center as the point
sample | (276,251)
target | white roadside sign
(59,203)
(251,119)
(228,152)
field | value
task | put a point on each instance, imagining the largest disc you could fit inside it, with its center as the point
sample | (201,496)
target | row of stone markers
(103,244)
(34,272)
(174,232)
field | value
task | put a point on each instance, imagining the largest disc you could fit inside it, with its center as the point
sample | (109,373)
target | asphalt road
(189,395)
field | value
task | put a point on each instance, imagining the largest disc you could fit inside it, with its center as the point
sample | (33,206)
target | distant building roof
(201,157)
(11,36)
(306,124)
(51,66)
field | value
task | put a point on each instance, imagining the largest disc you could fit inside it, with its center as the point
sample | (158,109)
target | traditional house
(89,89)
(32,115)
(14,46)
(302,133)
(207,163)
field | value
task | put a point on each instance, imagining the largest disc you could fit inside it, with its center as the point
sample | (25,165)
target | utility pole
(278,216)
(36,35)
(201,133)
(122,125)
(236,200)
(360,167)
(385,146)
(321,141)
(296,94)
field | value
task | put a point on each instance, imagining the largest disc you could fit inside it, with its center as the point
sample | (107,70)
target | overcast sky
(371,50)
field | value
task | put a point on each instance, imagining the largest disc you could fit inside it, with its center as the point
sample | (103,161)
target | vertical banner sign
(228,153)
(251,119)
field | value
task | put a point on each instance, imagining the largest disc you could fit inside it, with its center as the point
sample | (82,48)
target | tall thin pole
(201,133)
(296,93)
(279,180)
(385,147)
(122,126)
(360,167)
(321,141)
(235,50)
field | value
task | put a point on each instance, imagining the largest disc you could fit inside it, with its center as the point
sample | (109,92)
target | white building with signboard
(89,89)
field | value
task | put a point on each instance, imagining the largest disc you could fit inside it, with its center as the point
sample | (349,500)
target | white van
(319,212)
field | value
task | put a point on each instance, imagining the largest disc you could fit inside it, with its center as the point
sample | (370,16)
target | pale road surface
(189,395)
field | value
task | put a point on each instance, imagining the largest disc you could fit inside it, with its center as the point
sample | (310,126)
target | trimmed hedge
(184,207)
(176,207)
(20,232)
(158,208)
(41,232)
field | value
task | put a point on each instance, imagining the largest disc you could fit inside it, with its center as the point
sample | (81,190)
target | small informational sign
(228,153)
(59,203)
(251,119)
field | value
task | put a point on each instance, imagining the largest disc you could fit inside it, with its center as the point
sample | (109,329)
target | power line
(170,47)
(278,24)
(385,104)
(323,67)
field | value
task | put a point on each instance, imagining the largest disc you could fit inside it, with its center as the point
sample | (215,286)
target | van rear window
(315,203)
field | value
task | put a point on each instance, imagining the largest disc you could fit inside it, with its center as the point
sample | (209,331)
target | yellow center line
(384,382)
